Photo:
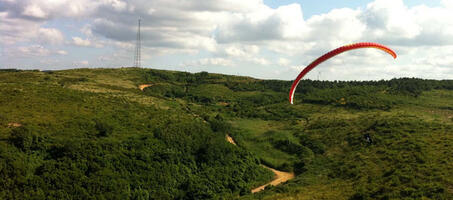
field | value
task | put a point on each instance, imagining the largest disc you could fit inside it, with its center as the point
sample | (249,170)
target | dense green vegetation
(99,143)
(92,134)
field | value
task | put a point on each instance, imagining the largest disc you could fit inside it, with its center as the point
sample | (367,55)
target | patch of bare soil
(230,139)
(142,87)
(14,125)
(224,103)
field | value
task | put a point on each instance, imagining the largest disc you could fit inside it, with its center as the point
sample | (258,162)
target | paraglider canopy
(332,54)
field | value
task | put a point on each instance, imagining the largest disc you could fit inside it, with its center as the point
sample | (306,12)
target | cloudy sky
(271,39)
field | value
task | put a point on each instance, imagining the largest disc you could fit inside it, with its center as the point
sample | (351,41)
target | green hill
(92,134)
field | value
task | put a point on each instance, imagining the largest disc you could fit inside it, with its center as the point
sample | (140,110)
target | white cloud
(118,5)
(259,61)
(338,27)
(82,63)
(210,62)
(62,52)
(34,11)
(263,24)
(50,36)
(86,30)
(436,26)
(240,51)
(447,3)
(27,51)
(297,68)
(390,19)
(16,30)
(80,42)
(283,62)
(50,9)
(86,42)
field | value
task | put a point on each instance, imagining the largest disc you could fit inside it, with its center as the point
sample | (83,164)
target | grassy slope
(411,156)
(255,136)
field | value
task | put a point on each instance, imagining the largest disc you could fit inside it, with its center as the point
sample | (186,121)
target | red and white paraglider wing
(332,54)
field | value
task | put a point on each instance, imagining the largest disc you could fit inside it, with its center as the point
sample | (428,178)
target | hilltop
(94,133)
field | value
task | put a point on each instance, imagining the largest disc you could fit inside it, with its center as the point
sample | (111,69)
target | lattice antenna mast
(138,57)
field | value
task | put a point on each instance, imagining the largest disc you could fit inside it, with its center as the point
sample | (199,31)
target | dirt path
(142,87)
(280,177)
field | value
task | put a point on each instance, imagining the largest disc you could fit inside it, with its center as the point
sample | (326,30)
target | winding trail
(280,177)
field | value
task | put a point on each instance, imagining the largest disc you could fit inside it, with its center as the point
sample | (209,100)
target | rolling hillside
(94,134)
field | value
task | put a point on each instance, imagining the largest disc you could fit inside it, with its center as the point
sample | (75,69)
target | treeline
(245,97)
(408,86)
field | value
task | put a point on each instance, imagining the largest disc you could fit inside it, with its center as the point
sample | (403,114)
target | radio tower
(137,59)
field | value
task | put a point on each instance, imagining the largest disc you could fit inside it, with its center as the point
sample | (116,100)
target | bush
(315,145)
(165,90)
(288,146)
(219,126)
(24,139)
(104,129)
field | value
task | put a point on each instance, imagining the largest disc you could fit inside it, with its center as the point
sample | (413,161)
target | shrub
(104,129)
(23,138)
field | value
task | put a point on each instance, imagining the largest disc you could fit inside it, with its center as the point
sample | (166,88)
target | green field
(92,134)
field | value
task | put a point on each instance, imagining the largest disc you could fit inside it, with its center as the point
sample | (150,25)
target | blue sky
(271,39)
(314,7)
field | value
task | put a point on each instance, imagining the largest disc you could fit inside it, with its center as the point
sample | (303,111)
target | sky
(269,39)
